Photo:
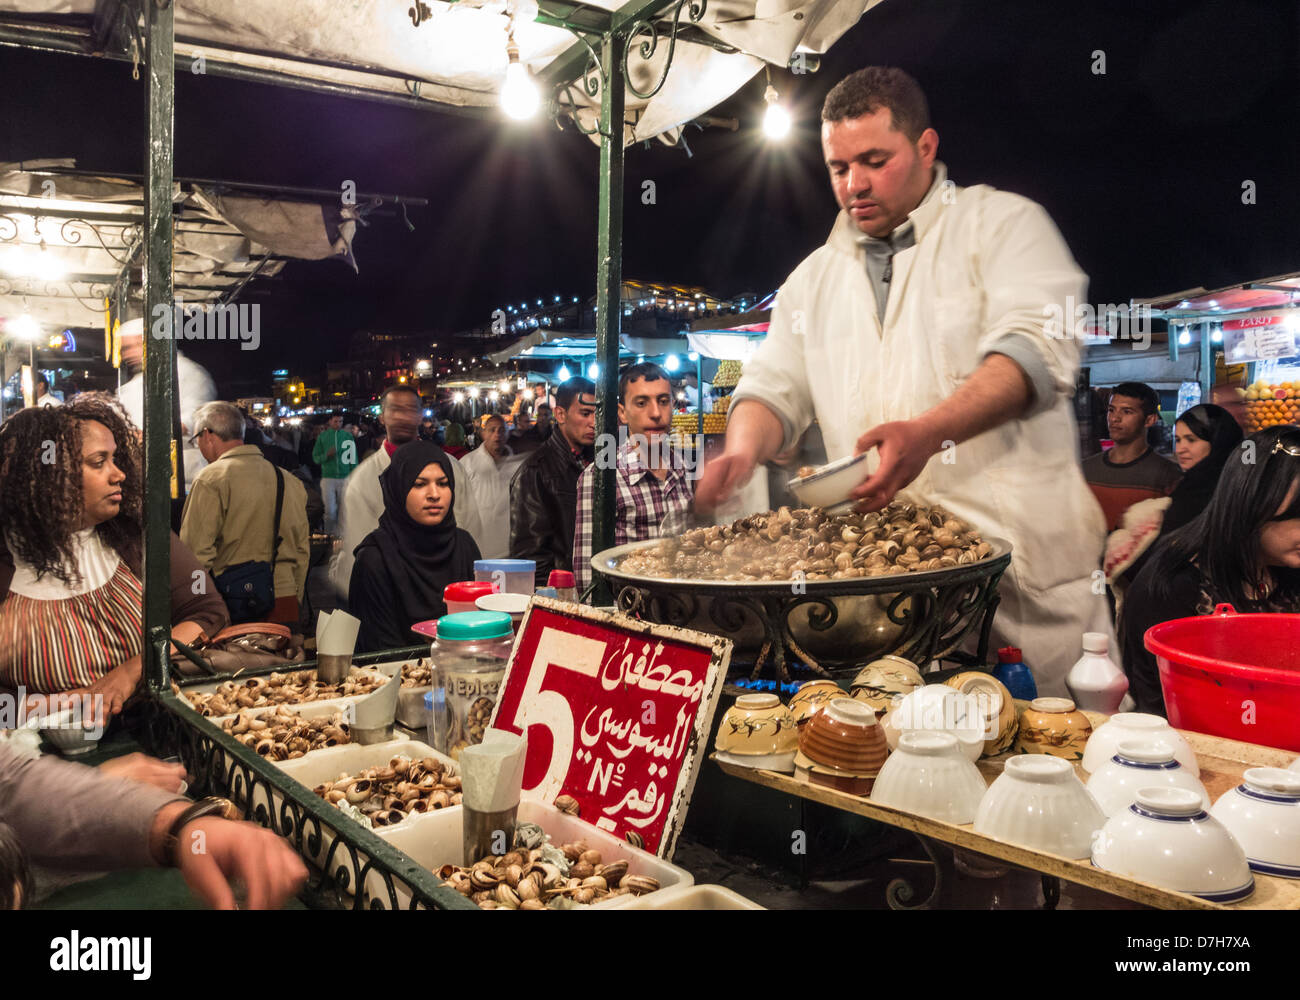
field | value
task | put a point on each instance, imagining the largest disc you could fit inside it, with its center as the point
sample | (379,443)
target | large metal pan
(835,623)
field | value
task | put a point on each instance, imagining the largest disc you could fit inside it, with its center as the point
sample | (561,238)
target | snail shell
(528,890)
(532,904)
(639,884)
(585,896)
(439,800)
(506,896)
(359,791)
(613,872)
(265,747)
(483,878)
(581,870)
(335,796)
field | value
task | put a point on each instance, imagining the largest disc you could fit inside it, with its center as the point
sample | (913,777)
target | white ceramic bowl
(1263,813)
(938,708)
(1038,801)
(1140,764)
(67,734)
(1167,838)
(830,485)
(930,775)
(1135,726)
(1295,765)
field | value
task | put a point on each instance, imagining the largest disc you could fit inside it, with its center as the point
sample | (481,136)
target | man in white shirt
(363,502)
(920,334)
(489,469)
(43,395)
(194,388)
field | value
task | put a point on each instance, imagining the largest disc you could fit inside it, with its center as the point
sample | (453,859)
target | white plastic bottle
(1096,682)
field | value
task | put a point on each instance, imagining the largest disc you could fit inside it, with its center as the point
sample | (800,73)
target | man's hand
(721,478)
(210,852)
(146,770)
(904,446)
(329,454)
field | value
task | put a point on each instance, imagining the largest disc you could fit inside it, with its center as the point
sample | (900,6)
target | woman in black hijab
(403,565)
(1204,439)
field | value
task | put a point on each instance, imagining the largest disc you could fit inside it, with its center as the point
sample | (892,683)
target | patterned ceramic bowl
(1140,764)
(757,725)
(1054,726)
(845,737)
(812,697)
(1168,839)
(1038,801)
(996,707)
(883,682)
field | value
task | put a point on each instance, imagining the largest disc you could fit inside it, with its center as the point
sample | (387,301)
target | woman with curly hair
(71,502)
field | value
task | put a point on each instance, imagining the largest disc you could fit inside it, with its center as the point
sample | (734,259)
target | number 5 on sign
(549,708)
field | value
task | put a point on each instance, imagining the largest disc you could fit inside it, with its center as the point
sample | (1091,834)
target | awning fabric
(458,55)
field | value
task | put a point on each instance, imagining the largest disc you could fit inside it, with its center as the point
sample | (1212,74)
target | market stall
(609,77)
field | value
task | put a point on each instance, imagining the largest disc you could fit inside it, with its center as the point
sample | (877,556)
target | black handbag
(249,587)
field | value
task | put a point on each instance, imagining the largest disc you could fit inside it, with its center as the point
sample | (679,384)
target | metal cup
(381,734)
(487,833)
(332,668)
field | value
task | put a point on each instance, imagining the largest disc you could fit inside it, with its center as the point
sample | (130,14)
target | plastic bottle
(1014,675)
(1096,682)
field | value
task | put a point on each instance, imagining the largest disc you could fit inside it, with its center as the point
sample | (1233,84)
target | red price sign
(615,712)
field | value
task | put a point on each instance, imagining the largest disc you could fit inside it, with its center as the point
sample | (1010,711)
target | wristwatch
(210,806)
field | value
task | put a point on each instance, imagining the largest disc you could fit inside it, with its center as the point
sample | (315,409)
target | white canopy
(457,55)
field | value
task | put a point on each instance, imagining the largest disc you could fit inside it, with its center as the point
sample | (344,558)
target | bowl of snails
(844,587)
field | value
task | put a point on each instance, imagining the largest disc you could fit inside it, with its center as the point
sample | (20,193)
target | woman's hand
(147,771)
(102,700)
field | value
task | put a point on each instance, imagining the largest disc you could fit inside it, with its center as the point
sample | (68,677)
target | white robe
(363,502)
(488,484)
(985,265)
(195,387)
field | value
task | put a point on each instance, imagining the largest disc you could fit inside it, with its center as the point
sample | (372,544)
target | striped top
(55,637)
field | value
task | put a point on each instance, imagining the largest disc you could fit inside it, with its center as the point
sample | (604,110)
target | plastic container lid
(561,579)
(511,604)
(1096,642)
(428,700)
(469,591)
(505,566)
(470,625)
(1010,654)
(546,592)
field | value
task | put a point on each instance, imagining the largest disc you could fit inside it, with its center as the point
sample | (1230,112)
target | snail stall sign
(616,712)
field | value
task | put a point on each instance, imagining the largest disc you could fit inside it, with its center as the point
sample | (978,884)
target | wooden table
(1222,763)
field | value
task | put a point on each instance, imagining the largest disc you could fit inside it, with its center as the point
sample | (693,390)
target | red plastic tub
(1230,675)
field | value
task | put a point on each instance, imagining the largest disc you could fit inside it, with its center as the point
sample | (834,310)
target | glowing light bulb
(519,98)
(672,363)
(563,374)
(776,120)
(593,371)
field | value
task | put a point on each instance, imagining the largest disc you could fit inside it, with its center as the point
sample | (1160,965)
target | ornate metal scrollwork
(8,228)
(648,31)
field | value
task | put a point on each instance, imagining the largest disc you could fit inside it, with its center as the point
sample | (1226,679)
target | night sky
(1142,168)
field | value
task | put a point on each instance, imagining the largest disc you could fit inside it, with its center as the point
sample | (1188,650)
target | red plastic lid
(1010,654)
(561,578)
(469,591)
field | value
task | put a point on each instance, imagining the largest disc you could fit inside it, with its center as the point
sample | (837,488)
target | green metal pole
(160,352)
(609,287)
(1207,363)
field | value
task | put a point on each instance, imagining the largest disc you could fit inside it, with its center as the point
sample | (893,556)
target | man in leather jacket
(544,492)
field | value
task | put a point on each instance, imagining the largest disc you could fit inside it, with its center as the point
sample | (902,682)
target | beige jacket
(228,514)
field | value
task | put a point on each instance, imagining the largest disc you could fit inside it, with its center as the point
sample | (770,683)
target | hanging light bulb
(776,120)
(1184,338)
(593,371)
(672,363)
(519,98)
(563,373)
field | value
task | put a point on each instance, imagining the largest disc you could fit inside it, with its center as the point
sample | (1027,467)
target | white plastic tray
(435,839)
(292,706)
(692,897)
(334,762)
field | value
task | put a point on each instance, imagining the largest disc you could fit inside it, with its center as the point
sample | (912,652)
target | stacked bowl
(842,747)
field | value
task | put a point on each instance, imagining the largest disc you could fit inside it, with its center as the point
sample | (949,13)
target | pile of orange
(1269,405)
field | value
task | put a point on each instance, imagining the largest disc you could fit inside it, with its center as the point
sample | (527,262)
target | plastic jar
(469,659)
(512,576)
(460,597)
(565,584)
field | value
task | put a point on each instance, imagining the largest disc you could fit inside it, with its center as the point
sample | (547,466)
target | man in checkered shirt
(653,480)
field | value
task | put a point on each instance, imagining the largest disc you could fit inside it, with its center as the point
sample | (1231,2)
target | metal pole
(1207,363)
(609,286)
(699,389)
(160,353)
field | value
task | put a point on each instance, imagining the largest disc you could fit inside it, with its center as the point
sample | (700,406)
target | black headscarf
(1213,424)
(420,560)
